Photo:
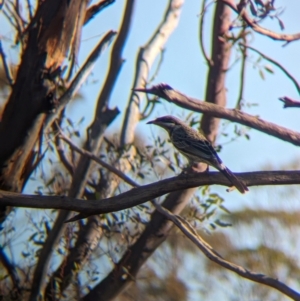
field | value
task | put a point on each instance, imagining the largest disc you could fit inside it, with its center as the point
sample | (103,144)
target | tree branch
(95,9)
(266,32)
(289,75)
(102,119)
(145,59)
(81,76)
(289,102)
(7,71)
(201,33)
(11,270)
(54,234)
(238,105)
(220,55)
(181,100)
(90,155)
(139,195)
(211,254)
(61,151)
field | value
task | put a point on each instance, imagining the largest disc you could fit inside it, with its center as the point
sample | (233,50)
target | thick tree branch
(211,254)
(139,195)
(251,23)
(181,100)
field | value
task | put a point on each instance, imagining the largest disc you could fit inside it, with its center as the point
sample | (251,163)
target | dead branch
(95,9)
(90,155)
(145,59)
(176,97)
(289,102)
(81,76)
(274,62)
(257,28)
(7,71)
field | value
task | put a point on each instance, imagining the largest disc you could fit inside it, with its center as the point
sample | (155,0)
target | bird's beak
(152,122)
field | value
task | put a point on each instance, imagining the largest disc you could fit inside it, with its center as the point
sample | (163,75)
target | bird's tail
(240,186)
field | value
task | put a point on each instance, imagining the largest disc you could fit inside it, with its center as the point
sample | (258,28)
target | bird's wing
(194,146)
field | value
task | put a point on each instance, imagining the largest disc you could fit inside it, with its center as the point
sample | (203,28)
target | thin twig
(242,75)
(18,24)
(29,10)
(202,14)
(289,102)
(84,152)
(61,152)
(81,76)
(6,66)
(10,19)
(211,254)
(11,269)
(289,75)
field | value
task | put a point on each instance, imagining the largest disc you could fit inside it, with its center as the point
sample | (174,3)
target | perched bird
(195,147)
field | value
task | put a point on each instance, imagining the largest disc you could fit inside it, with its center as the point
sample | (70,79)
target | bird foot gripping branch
(196,148)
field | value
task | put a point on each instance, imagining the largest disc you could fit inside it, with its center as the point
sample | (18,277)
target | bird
(195,147)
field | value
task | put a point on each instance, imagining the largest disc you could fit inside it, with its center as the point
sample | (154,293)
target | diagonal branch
(61,151)
(181,100)
(95,9)
(7,71)
(90,155)
(10,268)
(211,254)
(289,75)
(81,76)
